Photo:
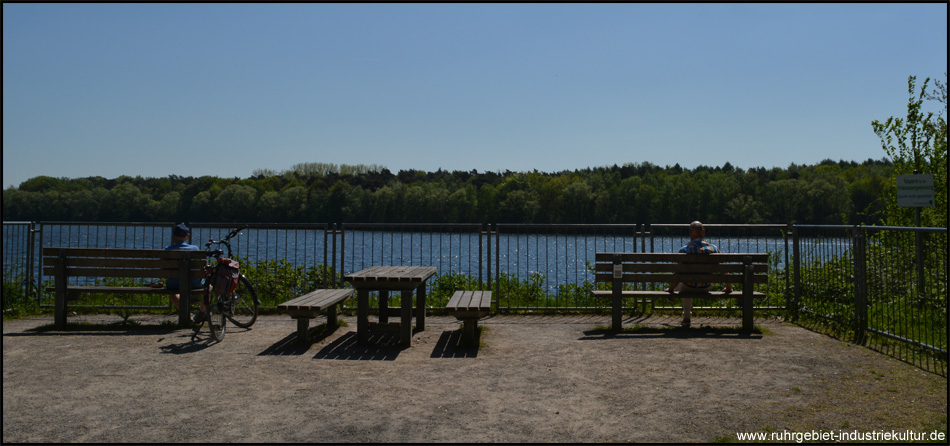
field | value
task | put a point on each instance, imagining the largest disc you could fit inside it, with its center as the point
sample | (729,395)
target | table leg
(405,329)
(383,307)
(362,316)
(421,307)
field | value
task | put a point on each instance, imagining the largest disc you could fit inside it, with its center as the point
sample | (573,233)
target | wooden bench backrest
(679,267)
(107,262)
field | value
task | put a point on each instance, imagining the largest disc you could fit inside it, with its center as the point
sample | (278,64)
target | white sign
(915,191)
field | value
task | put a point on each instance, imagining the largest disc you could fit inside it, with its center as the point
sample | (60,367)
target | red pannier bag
(226,276)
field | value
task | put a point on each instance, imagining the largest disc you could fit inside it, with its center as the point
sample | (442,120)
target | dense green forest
(830,192)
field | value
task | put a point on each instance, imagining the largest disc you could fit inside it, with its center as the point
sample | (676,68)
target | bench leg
(384,307)
(616,322)
(468,330)
(421,307)
(747,314)
(59,314)
(303,329)
(747,300)
(184,307)
(331,316)
(362,316)
(405,327)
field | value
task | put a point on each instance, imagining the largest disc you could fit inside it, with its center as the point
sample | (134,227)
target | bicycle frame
(220,305)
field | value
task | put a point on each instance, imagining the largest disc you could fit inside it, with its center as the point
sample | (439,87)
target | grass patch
(23,311)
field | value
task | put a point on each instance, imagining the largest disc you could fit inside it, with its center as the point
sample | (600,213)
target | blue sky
(225,89)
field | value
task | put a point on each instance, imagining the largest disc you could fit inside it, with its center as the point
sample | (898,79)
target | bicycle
(228,294)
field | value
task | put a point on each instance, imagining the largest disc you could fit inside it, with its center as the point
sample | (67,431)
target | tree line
(830,192)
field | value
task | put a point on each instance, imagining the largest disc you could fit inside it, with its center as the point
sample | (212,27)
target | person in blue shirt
(181,234)
(696,245)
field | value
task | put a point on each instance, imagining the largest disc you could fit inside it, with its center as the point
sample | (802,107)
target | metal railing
(544,267)
(18,255)
(885,287)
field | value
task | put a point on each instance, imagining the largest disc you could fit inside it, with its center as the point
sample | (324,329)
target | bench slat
(461,300)
(667,278)
(121,252)
(680,257)
(148,254)
(127,263)
(469,300)
(736,268)
(133,273)
(317,300)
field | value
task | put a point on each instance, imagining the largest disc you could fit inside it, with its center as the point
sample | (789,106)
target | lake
(559,253)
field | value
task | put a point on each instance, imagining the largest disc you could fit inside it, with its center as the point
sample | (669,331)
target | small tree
(917,143)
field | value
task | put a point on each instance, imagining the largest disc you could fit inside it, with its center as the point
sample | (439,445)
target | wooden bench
(741,268)
(309,305)
(64,263)
(469,307)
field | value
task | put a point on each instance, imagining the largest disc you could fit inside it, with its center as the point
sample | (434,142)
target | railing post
(860,285)
(650,233)
(788,269)
(497,293)
(797,267)
(332,232)
(30,258)
(342,266)
(326,263)
(617,294)
(481,232)
(919,247)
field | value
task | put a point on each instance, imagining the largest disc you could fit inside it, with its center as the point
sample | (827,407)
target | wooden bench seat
(308,306)
(468,307)
(662,269)
(64,263)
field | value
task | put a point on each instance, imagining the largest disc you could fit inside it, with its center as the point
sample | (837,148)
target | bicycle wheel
(216,320)
(242,306)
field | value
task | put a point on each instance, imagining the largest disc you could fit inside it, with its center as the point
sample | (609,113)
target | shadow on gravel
(450,345)
(198,341)
(189,343)
(291,346)
(380,347)
(89,329)
(601,333)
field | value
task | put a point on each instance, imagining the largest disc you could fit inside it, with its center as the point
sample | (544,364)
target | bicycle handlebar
(236,232)
(224,242)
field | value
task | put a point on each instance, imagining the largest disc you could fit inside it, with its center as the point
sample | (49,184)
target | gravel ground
(532,379)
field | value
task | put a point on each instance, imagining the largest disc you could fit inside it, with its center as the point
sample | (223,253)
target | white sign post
(915,191)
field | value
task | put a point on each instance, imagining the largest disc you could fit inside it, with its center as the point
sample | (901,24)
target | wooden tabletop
(390,277)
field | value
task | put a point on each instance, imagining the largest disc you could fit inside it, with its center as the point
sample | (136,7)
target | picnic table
(384,279)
